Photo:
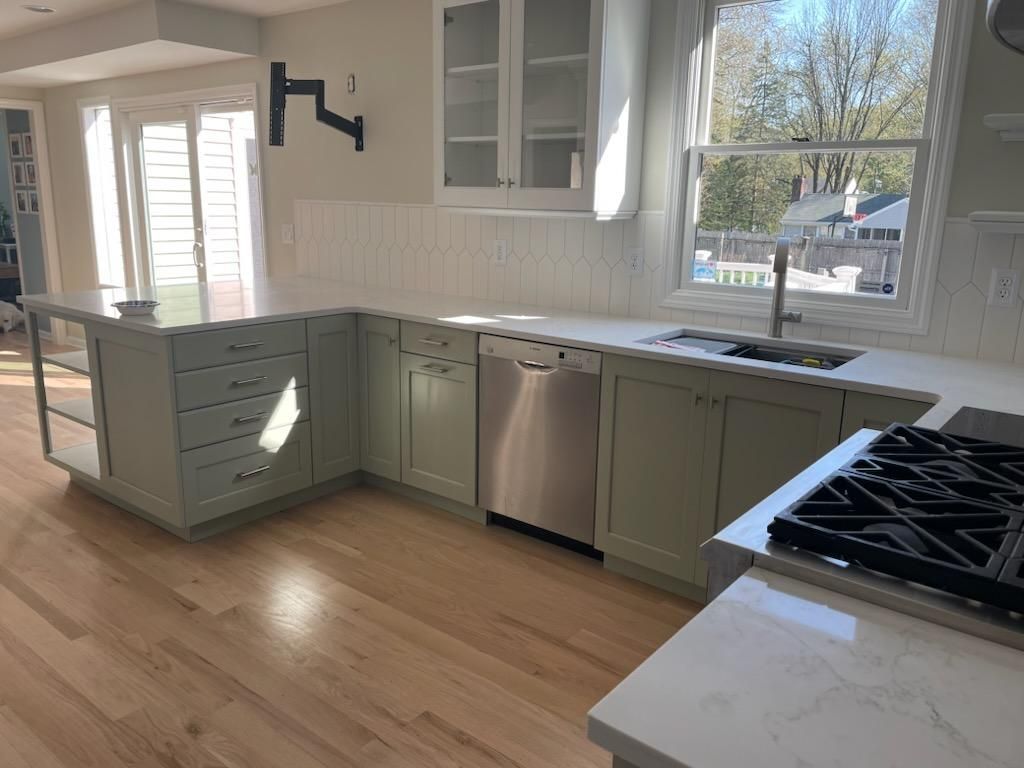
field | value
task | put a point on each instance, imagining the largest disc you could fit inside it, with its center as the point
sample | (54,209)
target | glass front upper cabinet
(475,96)
(552,59)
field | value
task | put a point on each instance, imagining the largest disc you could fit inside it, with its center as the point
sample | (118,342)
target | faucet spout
(778,314)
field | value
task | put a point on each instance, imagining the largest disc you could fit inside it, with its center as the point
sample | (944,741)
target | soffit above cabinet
(144,36)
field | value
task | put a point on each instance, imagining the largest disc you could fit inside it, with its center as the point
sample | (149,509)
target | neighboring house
(821,214)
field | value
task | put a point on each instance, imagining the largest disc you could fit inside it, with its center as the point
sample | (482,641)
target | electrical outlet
(287,234)
(501,252)
(635,260)
(1003,289)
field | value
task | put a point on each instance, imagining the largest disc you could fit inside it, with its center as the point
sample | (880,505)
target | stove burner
(939,510)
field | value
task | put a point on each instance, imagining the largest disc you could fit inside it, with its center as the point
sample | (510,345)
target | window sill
(881,314)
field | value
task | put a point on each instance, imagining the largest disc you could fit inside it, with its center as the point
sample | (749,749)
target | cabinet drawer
(243,417)
(228,383)
(226,477)
(435,341)
(193,351)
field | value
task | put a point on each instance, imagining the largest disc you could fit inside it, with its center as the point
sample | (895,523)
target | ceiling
(15,20)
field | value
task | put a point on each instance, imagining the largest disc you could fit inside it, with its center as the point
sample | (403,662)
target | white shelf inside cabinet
(1004,222)
(474,72)
(79,411)
(1009,126)
(83,459)
(571,61)
(567,136)
(77,362)
(472,140)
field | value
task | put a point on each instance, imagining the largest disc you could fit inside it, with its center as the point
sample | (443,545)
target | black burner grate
(940,510)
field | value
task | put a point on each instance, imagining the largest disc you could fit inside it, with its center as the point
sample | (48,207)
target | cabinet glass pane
(471,94)
(556,39)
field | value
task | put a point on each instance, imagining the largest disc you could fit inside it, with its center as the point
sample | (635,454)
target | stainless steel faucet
(779,315)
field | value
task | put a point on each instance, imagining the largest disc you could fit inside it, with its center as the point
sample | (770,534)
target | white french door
(196,194)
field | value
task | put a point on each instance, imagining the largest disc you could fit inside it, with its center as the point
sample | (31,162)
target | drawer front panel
(435,341)
(193,351)
(228,383)
(226,477)
(243,417)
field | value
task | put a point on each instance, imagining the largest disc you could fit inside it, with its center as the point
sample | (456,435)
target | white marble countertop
(949,382)
(777,673)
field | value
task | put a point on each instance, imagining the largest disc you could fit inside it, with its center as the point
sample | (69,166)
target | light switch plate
(287,234)
(1003,288)
(501,252)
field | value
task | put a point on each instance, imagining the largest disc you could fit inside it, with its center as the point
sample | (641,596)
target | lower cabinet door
(225,477)
(333,389)
(878,411)
(650,451)
(439,427)
(380,397)
(761,434)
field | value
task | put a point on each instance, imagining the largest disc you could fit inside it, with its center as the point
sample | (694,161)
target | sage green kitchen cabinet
(650,455)
(761,433)
(380,397)
(878,411)
(333,402)
(439,426)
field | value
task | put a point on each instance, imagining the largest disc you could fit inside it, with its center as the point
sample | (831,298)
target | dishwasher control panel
(545,355)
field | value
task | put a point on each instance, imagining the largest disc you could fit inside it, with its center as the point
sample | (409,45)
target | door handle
(532,366)
(434,342)
(246,382)
(247,345)
(434,368)
(196,247)
(249,419)
(253,472)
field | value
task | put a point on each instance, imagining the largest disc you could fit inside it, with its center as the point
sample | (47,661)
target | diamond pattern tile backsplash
(578,264)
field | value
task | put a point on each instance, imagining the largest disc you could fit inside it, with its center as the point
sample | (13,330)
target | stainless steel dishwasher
(538,434)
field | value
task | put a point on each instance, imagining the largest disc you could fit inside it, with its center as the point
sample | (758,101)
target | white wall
(387,43)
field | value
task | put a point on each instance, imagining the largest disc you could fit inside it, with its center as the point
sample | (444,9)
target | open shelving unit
(82,459)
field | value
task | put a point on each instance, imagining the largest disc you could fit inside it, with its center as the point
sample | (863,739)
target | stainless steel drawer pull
(434,342)
(434,368)
(248,345)
(253,472)
(245,382)
(249,419)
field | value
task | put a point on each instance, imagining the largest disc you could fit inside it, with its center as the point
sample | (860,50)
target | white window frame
(95,214)
(909,311)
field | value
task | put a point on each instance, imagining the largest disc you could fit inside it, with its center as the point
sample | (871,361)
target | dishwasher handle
(530,365)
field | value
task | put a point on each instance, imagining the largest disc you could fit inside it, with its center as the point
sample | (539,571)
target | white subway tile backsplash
(578,264)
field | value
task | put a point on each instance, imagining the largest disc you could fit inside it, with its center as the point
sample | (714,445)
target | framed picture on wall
(33,202)
(15,145)
(28,145)
(21,201)
(30,174)
(18,170)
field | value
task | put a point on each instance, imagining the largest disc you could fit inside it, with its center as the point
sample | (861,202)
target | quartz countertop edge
(779,673)
(950,383)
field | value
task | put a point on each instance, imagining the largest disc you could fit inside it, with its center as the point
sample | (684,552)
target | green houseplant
(6,232)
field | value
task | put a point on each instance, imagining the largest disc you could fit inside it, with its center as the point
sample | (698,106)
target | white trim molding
(909,311)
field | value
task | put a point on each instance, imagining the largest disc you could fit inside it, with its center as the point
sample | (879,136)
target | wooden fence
(879,260)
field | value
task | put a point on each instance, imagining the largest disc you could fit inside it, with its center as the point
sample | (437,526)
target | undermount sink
(802,358)
(685,341)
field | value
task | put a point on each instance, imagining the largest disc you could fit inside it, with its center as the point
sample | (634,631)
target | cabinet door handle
(391,341)
(501,182)
(253,472)
(434,342)
(511,182)
(435,368)
(714,402)
(246,382)
(248,345)
(698,398)
(249,419)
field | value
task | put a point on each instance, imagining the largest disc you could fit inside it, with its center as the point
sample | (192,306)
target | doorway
(195,189)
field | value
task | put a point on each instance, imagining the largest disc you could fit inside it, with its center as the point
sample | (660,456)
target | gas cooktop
(925,506)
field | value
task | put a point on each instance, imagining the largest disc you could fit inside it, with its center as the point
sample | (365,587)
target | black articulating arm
(281,87)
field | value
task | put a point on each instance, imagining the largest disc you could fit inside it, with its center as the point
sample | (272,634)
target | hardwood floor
(362,629)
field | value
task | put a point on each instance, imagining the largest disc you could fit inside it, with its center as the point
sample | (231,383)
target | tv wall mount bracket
(281,86)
